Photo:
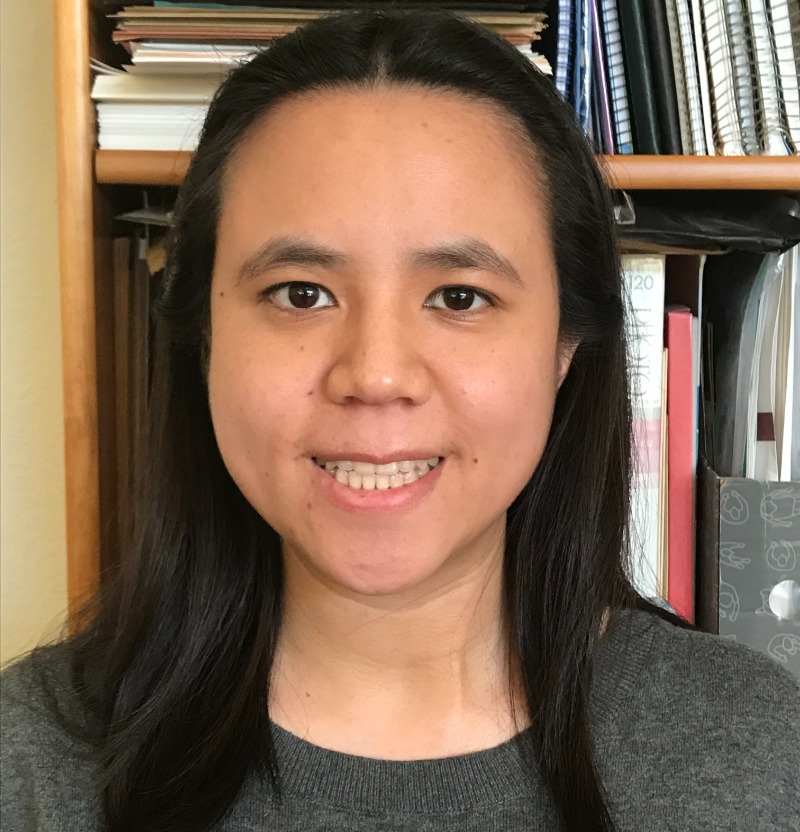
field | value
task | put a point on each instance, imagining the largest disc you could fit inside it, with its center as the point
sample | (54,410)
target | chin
(380,576)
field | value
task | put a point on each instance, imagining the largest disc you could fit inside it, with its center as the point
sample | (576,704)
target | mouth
(368,476)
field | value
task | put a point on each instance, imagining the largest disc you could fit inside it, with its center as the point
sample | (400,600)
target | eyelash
(268,294)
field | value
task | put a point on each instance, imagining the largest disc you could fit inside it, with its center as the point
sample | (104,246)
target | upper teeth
(367,475)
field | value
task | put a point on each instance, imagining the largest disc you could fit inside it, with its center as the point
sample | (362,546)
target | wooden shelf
(769,173)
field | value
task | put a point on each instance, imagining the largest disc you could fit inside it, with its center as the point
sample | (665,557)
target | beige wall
(33,596)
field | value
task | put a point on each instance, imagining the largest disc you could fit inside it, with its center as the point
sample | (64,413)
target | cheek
(510,406)
(253,404)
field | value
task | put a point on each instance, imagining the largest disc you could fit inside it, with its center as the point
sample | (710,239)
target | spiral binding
(772,128)
(721,42)
(784,16)
(692,78)
(617,83)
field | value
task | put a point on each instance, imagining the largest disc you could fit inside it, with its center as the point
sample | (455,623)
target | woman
(379,579)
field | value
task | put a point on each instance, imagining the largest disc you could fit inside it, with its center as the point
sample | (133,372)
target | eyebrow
(462,253)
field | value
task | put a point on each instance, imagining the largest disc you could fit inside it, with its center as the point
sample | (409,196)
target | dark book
(640,78)
(663,76)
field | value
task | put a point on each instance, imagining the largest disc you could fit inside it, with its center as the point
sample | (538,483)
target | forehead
(385,161)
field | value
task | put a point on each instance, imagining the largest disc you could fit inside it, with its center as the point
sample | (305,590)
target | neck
(422,669)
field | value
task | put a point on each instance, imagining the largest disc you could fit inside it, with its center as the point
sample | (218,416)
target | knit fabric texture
(692,732)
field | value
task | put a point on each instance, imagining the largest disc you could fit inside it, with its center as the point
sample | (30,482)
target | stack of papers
(181,52)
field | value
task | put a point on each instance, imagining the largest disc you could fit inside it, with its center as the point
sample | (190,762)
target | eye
(296,295)
(459,299)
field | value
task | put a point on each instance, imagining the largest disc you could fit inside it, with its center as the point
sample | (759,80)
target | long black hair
(174,654)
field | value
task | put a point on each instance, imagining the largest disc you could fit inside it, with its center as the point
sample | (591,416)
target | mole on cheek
(475,460)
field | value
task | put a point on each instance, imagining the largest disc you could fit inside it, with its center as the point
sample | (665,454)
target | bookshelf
(94,186)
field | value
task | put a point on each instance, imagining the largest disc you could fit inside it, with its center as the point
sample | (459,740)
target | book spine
(663,76)
(617,82)
(784,17)
(637,60)
(691,73)
(681,394)
(684,122)
(703,72)
(773,137)
(643,283)
(582,65)
(717,40)
(744,83)
(564,48)
(601,83)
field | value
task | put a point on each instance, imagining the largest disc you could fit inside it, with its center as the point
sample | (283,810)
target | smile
(367,476)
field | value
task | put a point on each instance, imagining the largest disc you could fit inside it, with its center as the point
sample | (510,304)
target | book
(600,87)
(773,136)
(173,88)
(784,16)
(617,79)
(702,73)
(661,64)
(643,286)
(725,113)
(637,61)
(691,72)
(681,395)
(679,76)
(742,75)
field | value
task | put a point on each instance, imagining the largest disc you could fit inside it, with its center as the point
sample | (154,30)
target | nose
(379,358)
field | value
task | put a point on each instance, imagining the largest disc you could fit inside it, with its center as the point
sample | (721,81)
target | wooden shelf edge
(769,173)
(701,173)
(75,137)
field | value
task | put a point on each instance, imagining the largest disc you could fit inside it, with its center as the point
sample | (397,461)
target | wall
(33,596)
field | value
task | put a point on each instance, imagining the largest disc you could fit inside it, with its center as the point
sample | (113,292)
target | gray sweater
(693,732)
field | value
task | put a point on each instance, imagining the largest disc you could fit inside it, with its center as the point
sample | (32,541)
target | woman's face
(384,291)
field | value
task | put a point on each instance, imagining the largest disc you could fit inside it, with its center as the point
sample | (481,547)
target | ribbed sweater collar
(464,782)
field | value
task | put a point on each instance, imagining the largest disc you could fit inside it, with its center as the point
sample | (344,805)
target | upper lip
(375,459)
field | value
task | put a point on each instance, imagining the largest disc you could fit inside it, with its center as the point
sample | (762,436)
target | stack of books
(691,77)
(676,77)
(711,381)
(179,53)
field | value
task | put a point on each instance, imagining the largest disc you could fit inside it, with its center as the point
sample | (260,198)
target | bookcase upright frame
(94,186)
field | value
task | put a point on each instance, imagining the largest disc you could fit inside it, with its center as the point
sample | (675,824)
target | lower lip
(388,500)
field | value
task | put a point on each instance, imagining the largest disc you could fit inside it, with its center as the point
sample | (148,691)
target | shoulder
(45,766)
(694,677)
(721,675)
(35,689)
(711,724)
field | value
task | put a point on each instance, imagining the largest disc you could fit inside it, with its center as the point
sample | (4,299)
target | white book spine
(702,73)
(643,283)
(772,130)
(699,147)
(785,19)
(717,44)
(743,74)
(684,121)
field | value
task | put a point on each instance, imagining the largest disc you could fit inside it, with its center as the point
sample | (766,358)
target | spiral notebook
(743,80)
(718,43)
(699,146)
(772,128)
(703,73)
(617,83)
(680,77)
(785,20)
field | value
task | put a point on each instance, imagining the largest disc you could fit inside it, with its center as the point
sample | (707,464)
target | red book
(681,438)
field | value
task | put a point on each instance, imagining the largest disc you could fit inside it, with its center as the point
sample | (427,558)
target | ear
(566,351)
